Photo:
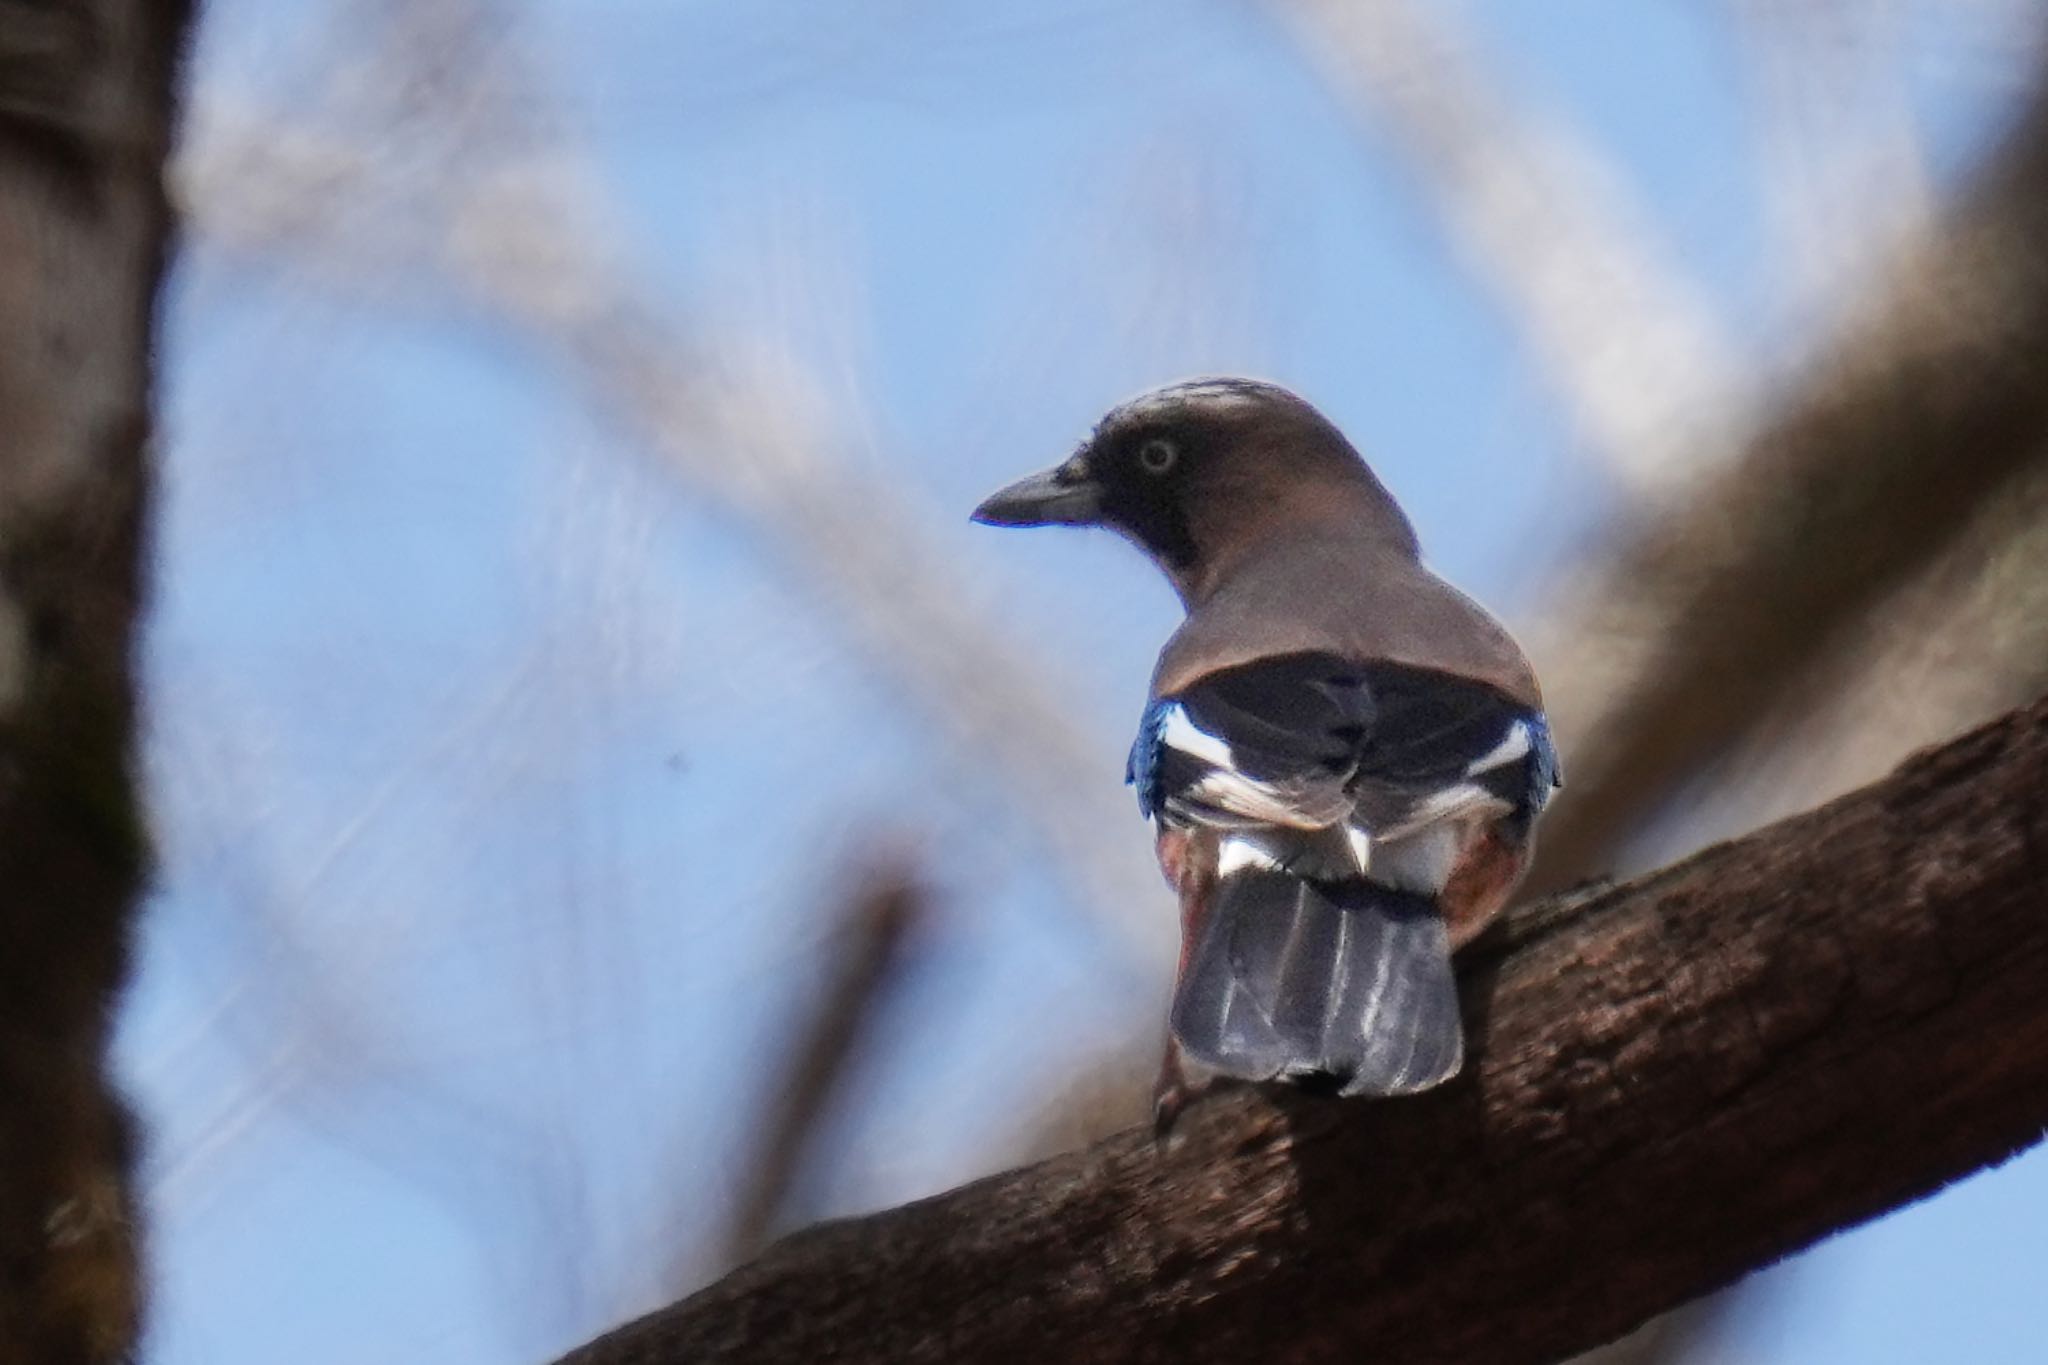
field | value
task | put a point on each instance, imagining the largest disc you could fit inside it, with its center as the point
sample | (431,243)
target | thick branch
(1675,1081)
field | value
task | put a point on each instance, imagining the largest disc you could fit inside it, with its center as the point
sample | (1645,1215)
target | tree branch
(1933,403)
(877,924)
(1638,358)
(755,441)
(1674,1082)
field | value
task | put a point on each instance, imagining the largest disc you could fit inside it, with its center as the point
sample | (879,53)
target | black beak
(1065,496)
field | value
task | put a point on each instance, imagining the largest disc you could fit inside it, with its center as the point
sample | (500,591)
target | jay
(1342,755)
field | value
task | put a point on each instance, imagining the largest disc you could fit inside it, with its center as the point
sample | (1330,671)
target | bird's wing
(1313,740)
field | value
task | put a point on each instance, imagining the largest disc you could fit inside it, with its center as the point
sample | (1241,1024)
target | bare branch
(877,922)
(1676,1081)
(1965,640)
(1846,179)
(1639,360)
(754,439)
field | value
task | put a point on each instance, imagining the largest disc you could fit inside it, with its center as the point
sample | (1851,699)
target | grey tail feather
(1345,983)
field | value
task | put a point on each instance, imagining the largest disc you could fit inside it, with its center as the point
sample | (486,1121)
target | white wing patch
(1421,862)
(1513,745)
(1361,847)
(1225,791)
(1225,796)
(1183,734)
(1239,853)
(1468,802)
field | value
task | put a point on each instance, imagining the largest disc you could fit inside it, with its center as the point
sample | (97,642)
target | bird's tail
(1344,980)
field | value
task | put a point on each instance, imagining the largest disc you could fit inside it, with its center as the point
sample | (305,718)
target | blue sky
(500,778)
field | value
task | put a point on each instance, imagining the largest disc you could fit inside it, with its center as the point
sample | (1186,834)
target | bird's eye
(1157,455)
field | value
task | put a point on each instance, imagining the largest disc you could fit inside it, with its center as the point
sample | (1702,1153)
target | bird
(1343,757)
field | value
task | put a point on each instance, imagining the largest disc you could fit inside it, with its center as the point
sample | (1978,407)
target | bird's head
(1198,472)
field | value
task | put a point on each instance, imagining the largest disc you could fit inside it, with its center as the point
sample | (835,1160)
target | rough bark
(1674,1082)
(85,109)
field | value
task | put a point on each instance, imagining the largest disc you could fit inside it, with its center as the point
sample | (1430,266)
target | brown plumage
(1344,754)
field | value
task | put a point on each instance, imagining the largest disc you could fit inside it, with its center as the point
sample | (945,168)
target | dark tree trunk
(86,93)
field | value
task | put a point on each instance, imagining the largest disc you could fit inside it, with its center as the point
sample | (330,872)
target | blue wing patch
(1141,770)
(1546,774)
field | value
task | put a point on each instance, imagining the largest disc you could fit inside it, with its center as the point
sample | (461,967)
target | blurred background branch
(516,227)
(1627,343)
(1837,136)
(883,912)
(1934,403)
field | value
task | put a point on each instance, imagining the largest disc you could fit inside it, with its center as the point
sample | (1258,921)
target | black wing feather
(1301,728)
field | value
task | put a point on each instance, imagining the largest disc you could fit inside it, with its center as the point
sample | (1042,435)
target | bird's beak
(1065,496)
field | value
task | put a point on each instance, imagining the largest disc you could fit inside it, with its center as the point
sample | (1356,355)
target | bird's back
(1356,599)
